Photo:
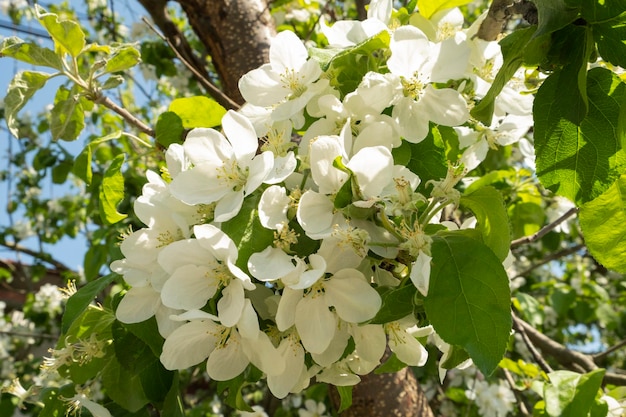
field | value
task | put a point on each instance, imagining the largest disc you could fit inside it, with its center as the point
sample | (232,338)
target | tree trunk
(237,34)
(386,395)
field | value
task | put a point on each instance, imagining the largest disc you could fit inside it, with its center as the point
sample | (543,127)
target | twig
(38,255)
(531,347)
(33,335)
(219,95)
(552,257)
(599,357)
(520,400)
(544,230)
(570,359)
(128,116)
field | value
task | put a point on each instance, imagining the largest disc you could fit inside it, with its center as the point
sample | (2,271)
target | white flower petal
(230,306)
(229,206)
(189,345)
(316,324)
(139,304)
(270,264)
(420,272)
(189,287)
(227,361)
(293,355)
(241,135)
(286,313)
(352,296)
(273,207)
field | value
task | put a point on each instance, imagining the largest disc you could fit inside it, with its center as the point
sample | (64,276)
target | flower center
(414,87)
(293,81)
(231,175)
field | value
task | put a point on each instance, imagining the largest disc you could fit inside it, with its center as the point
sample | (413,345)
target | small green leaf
(125,57)
(198,111)
(468,300)
(173,404)
(61,171)
(572,394)
(23,86)
(602,221)
(30,53)
(397,303)
(391,365)
(169,129)
(247,232)
(82,165)
(113,81)
(345,395)
(579,162)
(554,14)
(67,118)
(428,8)
(67,35)
(456,356)
(487,204)
(79,301)
(112,191)
(428,158)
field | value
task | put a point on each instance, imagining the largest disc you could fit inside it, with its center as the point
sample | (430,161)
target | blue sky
(69,251)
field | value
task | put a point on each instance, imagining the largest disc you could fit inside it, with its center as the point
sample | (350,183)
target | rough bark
(386,395)
(236,34)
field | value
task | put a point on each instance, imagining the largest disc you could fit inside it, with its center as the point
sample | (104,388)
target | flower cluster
(267,243)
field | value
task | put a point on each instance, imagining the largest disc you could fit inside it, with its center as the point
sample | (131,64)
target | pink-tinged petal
(262,87)
(240,134)
(264,355)
(139,304)
(199,185)
(286,313)
(207,146)
(230,306)
(293,354)
(316,324)
(189,287)
(229,206)
(445,106)
(352,296)
(287,52)
(315,213)
(270,264)
(227,361)
(189,345)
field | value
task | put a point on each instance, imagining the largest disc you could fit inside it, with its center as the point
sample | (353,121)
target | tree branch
(211,88)
(128,116)
(599,357)
(60,266)
(570,359)
(552,257)
(544,230)
(499,13)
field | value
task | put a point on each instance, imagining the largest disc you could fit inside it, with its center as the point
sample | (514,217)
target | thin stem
(38,255)
(541,233)
(33,335)
(598,357)
(520,400)
(138,139)
(553,257)
(128,116)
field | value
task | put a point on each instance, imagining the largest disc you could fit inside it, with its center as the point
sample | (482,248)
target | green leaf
(173,404)
(572,394)
(611,38)
(345,395)
(456,356)
(427,8)
(602,221)
(148,332)
(234,397)
(397,303)
(348,67)
(67,118)
(79,301)
(169,129)
(52,399)
(391,365)
(30,53)
(579,162)
(23,86)
(513,49)
(61,171)
(156,381)
(123,386)
(468,300)
(247,232)
(198,111)
(127,56)
(112,192)
(487,204)
(82,165)
(67,35)
(601,11)
(554,14)
(113,81)
(428,158)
